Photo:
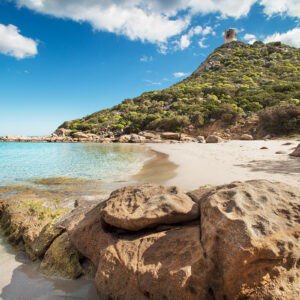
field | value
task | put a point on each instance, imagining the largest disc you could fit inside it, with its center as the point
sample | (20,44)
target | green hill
(236,82)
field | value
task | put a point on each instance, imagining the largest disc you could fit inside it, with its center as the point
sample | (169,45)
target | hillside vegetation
(237,81)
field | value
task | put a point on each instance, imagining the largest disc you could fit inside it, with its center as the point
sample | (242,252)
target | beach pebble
(246,137)
(214,139)
(201,139)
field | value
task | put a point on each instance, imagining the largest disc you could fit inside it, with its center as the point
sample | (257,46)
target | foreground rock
(139,207)
(296,152)
(244,245)
(36,220)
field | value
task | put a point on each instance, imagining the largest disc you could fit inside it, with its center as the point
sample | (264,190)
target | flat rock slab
(148,205)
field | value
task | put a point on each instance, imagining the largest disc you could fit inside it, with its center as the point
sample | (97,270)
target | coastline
(186,165)
(157,169)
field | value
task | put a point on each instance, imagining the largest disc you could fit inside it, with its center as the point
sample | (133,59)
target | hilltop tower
(230,36)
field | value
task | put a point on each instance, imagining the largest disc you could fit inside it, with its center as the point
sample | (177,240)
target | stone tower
(229,36)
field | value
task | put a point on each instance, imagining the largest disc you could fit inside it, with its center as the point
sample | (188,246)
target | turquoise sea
(24,162)
(104,166)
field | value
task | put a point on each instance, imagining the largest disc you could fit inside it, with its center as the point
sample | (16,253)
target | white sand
(202,164)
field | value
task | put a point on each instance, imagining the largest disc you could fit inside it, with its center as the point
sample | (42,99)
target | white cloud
(180,74)
(289,7)
(201,43)
(14,44)
(185,40)
(292,37)
(152,82)
(146,58)
(207,30)
(154,21)
(250,38)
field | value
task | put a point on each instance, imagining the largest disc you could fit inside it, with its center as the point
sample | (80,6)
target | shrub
(175,124)
(281,119)
(228,113)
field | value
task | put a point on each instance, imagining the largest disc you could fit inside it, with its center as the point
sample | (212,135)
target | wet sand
(21,280)
(158,169)
(203,164)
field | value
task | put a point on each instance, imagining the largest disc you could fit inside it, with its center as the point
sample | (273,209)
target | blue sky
(61,60)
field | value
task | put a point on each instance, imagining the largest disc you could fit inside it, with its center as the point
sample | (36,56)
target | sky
(64,59)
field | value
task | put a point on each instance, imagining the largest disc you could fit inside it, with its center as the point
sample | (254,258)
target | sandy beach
(203,164)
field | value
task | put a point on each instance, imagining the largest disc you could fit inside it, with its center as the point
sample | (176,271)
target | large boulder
(63,132)
(148,205)
(170,136)
(296,152)
(135,138)
(244,245)
(251,235)
(214,139)
(155,265)
(125,138)
(80,135)
(246,137)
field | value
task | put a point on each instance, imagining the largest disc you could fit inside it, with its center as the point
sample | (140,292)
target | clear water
(21,162)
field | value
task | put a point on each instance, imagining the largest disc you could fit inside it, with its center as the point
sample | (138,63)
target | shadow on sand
(270,166)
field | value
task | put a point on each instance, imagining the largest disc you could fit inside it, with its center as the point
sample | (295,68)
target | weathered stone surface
(159,265)
(201,139)
(245,245)
(124,138)
(63,132)
(187,138)
(246,137)
(296,152)
(80,135)
(170,136)
(213,139)
(135,138)
(148,205)
(62,259)
(251,235)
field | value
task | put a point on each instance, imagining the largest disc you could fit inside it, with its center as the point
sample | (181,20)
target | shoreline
(157,169)
(188,166)
(215,164)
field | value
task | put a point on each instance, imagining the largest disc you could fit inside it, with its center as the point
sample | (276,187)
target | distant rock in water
(245,244)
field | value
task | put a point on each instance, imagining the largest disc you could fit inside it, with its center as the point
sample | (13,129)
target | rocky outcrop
(296,152)
(80,135)
(170,136)
(245,244)
(138,207)
(63,132)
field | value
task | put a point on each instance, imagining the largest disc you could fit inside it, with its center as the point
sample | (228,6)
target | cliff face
(236,81)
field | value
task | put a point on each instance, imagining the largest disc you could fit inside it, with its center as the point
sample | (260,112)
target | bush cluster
(281,119)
